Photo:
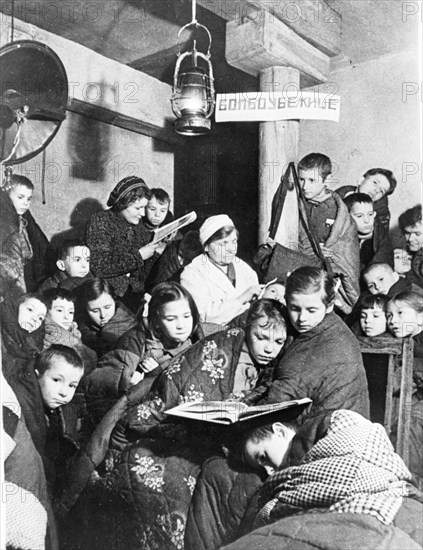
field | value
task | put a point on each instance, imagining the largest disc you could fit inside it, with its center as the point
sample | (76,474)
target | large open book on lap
(172,227)
(231,412)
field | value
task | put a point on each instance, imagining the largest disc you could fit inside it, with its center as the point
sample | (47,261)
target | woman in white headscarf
(221,284)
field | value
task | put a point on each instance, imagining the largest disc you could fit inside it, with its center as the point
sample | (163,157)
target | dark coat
(324,364)
(112,377)
(167,268)
(114,245)
(415,275)
(19,350)
(62,280)
(19,275)
(102,340)
(345,254)
(378,249)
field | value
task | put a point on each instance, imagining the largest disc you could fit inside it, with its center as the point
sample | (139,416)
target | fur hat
(124,187)
(213,224)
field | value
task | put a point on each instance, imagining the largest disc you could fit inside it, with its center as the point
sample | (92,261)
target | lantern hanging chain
(12,23)
(194,12)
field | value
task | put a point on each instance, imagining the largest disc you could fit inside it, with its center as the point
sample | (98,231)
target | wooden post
(278,147)
(263,45)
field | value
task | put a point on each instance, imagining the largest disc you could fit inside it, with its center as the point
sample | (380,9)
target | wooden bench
(396,349)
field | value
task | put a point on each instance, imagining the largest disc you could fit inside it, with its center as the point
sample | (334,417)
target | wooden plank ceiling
(142,33)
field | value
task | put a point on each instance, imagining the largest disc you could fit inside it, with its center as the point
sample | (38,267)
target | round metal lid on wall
(33,99)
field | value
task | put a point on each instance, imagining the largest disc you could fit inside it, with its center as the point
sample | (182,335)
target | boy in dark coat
(379,183)
(375,244)
(323,362)
(25,250)
(326,218)
(72,267)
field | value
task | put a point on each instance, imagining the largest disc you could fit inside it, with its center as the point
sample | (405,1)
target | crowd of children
(113,314)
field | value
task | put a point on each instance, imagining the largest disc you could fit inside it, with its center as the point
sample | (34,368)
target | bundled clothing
(346,493)
(62,280)
(19,350)
(352,469)
(152,467)
(334,229)
(177,255)
(56,334)
(377,249)
(213,292)
(112,377)
(343,245)
(324,364)
(25,252)
(114,244)
(415,275)
(29,516)
(103,339)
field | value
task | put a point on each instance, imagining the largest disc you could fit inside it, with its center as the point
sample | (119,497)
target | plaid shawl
(352,469)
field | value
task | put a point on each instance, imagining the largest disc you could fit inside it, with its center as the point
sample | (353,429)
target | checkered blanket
(352,469)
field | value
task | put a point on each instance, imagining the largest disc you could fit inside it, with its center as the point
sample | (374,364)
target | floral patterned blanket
(141,498)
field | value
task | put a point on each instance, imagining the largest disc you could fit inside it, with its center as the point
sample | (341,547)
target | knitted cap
(213,224)
(124,187)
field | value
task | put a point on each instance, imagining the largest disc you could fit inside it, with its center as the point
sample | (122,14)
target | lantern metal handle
(197,25)
(182,56)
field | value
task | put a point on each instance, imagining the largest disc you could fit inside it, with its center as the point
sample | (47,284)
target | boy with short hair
(329,220)
(375,244)
(72,266)
(378,183)
(380,278)
(157,210)
(410,223)
(327,234)
(60,327)
(59,370)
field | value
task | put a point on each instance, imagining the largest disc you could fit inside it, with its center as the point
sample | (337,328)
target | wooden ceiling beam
(253,47)
(313,20)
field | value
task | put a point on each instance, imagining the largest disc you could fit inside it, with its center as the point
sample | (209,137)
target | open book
(230,412)
(163,232)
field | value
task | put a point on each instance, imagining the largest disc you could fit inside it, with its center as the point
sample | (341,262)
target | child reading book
(157,211)
(324,361)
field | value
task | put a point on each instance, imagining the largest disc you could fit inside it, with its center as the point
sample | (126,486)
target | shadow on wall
(78,221)
(89,148)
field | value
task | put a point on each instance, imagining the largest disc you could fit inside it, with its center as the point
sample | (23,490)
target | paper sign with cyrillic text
(271,106)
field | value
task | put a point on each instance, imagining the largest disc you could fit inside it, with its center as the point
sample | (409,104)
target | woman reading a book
(221,284)
(119,242)
(155,458)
